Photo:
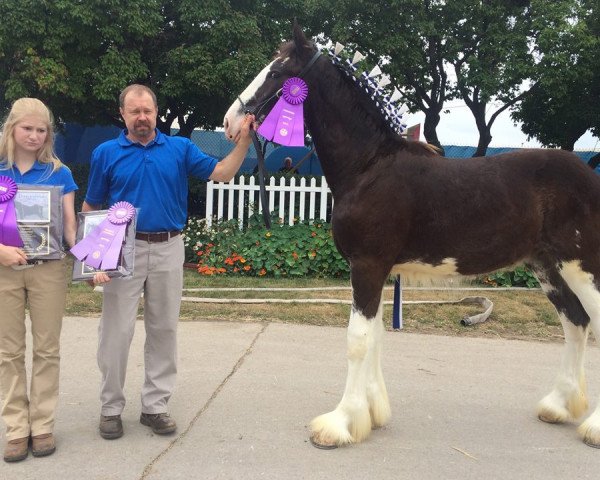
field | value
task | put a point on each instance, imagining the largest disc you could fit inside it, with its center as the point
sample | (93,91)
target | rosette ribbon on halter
(9,231)
(101,248)
(285,122)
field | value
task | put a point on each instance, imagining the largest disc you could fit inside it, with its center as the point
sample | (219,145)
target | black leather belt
(36,262)
(157,237)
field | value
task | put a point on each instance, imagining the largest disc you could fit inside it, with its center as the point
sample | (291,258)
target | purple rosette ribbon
(285,122)
(101,248)
(9,231)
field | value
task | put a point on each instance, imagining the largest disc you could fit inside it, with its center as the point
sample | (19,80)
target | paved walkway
(463,408)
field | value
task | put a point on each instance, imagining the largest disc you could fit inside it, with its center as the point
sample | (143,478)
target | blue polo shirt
(42,174)
(153,178)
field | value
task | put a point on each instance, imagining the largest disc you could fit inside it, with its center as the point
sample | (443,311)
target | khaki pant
(158,273)
(43,289)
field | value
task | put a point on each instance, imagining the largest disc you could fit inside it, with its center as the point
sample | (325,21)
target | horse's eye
(274,74)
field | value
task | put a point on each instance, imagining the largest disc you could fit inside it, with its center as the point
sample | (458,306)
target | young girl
(26,156)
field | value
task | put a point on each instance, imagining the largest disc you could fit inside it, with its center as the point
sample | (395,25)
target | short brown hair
(136,87)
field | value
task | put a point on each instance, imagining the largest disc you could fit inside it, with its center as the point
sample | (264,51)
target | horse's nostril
(226,124)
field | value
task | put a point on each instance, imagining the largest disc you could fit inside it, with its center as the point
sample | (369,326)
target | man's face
(139,114)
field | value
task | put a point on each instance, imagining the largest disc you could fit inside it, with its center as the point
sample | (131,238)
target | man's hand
(100,278)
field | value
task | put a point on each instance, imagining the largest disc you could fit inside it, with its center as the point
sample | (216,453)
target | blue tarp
(459,151)
(76,143)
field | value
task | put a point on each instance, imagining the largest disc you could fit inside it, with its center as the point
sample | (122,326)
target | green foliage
(303,249)
(519,277)
(77,56)
(563,104)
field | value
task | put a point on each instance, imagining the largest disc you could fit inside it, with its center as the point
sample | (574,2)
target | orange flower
(248,267)
(262,272)
(295,255)
(221,270)
(228,261)
(313,234)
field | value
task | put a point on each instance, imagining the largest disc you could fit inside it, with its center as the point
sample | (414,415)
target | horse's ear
(299,38)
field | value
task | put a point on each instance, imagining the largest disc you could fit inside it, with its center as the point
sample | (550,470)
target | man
(149,170)
(287,166)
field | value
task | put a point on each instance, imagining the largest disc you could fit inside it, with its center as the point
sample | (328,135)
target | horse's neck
(346,137)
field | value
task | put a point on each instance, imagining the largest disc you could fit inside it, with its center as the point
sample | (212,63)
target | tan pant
(43,289)
(158,273)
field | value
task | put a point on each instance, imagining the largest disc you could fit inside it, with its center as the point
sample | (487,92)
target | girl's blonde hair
(22,108)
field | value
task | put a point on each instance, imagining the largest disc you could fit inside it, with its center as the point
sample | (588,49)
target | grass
(521,314)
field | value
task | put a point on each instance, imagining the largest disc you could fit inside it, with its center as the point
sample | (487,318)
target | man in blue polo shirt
(149,170)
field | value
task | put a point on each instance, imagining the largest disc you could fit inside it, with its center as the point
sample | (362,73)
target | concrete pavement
(463,408)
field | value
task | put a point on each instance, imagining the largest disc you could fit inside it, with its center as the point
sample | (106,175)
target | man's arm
(228,167)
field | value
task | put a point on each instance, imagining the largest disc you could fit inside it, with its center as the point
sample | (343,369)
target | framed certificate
(40,220)
(88,221)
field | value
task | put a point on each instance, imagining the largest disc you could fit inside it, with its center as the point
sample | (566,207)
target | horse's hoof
(590,444)
(321,445)
(549,419)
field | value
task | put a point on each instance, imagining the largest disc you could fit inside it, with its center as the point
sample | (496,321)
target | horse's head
(262,93)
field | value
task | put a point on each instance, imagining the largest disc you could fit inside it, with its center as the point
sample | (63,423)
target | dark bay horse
(401,208)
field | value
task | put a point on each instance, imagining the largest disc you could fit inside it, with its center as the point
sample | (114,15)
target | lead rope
(261,179)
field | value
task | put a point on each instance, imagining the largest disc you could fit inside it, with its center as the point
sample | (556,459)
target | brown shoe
(43,445)
(160,423)
(111,426)
(16,450)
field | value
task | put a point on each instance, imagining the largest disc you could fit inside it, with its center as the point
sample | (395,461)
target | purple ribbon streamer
(9,230)
(285,122)
(101,248)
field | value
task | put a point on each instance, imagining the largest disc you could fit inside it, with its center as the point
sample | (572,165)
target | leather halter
(260,157)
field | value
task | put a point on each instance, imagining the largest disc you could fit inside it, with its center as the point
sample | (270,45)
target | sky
(458,128)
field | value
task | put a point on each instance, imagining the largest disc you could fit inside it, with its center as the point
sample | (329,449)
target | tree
(492,58)
(421,41)
(411,40)
(77,56)
(73,55)
(565,101)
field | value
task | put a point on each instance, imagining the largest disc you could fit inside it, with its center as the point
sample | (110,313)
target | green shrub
(519,277)
(303,249)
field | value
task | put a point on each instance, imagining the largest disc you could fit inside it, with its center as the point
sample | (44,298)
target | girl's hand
(12,256)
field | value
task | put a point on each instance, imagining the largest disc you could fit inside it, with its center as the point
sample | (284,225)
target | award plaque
(87,222)
(40,220)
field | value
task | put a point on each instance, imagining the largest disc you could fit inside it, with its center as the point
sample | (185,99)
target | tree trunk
(432,119)
(485,138)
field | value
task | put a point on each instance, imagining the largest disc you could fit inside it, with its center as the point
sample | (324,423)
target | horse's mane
(365,103)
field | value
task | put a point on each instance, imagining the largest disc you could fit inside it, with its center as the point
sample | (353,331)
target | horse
(401,208)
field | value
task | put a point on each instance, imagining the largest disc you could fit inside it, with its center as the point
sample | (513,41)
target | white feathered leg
(583,285)
(350,422)
(567,400)
(379,403)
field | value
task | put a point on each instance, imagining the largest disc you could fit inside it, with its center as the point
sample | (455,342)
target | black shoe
(111,427)
(160,423)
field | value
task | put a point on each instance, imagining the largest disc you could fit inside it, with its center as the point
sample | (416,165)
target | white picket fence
(293,199)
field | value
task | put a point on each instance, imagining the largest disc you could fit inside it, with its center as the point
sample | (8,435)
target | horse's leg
(587,288)
(350,422)
(568,398)
(379,404)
